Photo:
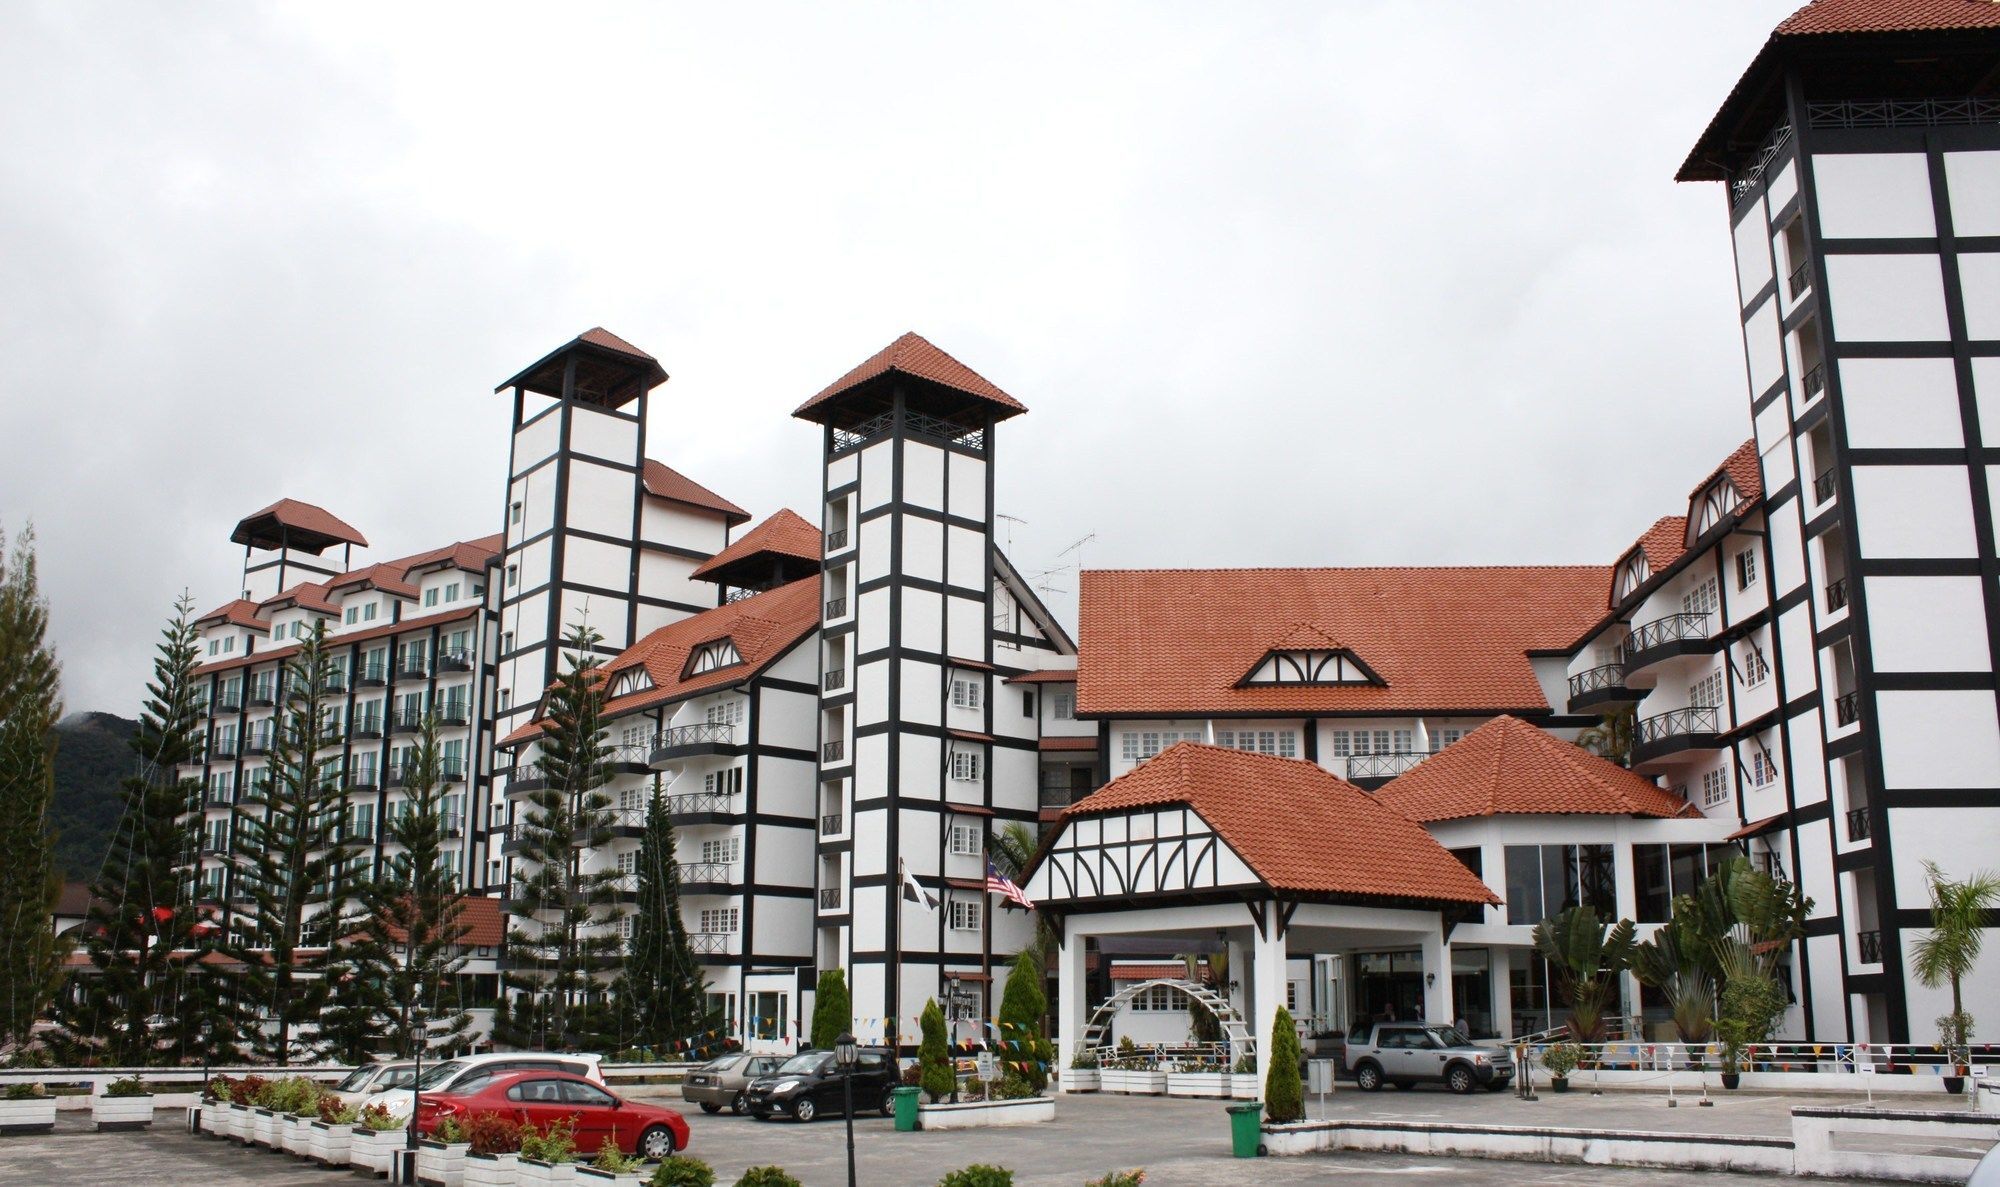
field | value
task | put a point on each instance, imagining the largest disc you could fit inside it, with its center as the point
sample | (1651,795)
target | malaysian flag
(998,883)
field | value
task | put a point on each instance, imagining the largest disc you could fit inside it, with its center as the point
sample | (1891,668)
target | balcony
(1370,771)
(335,682)
(834,680)
(829,898)
(262,696)
(1665,638)
(1801,279)
(216,798)
(1600,687)
(1871,946)
(1678,731)
(451,770)
(700,807)
(228,702)
(258,743)
(635,759)
(836,539)
(836,608)
(364,780)
(407,723)
(454,713)
(403,774)
(709,877)
(223,748)
(1836,594)
(1858,828)
(832,752)
(713,943)
(366,727)
(458,659)
(1815,380)
(832,824)
(1847,708)
(412,667)
(213,846)
(370,676)
(1823,487)
(689,741)
(452,825)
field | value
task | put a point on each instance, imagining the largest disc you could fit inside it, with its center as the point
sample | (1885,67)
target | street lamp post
(844,1054)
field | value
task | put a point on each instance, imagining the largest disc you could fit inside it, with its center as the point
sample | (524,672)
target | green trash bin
(906,1109)
(1246,1128)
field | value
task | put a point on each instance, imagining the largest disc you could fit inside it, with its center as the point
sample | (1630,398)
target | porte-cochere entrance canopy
(1266,853)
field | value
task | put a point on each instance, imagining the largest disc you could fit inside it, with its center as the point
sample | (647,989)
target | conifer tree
(1022,1005)
(935,1073)
(409,952)
(132,1006)
(563,913)
(833,1009)
(1283,1094)
(31,955)
(292,863)
(662,994)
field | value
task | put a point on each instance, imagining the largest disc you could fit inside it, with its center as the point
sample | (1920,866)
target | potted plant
(1948,953)
(373,1143)
(767,1176)
(267,1119)
(242,1118)
(441,1156)
(548,1155)
(333,1131)
(1561,1059)
(678,1170)
(296,1137)
(1198,1078)
(494,1151)
(1082,1074)
(124,1104)
(610,1167)
(27,1108)
(1243,1078)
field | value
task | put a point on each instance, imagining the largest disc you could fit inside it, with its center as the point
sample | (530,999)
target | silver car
(721,1081)
(371,1078)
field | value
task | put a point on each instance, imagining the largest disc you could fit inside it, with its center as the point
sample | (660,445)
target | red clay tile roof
(763,626)
(481,919)
(1663,543)
(786,533)
(1177,641)
(634,371)
(913,355)
(664,482)
(383,630)
(599,336)
(1297,825)
(1045,676)
(1745,473)
(386,577)
(240,612)
(1068,744)
(303,518)
(307,595)
(1148,972)
(1509,768)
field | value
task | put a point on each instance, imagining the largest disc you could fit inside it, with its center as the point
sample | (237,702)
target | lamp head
(843,1050)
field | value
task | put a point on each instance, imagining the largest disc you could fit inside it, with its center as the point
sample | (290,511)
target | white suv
(464,1073)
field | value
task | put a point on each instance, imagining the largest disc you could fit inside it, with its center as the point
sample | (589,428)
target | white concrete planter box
(491,1170)
(267,1128)
(121,1112)
(241,1124)
(1244,1086)
(295,1136)
(531,1173)
(1078,1079)
(597,1178)
(1208,1084)
(373,1150)
(441,1164)
(214,1119)
(987,1114)
(1140,1083)
(331,1143)
(28,1116)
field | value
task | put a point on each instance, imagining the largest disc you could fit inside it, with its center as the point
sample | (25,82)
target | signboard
(989,1067)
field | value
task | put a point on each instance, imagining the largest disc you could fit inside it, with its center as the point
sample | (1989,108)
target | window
(215,646)
(431,596)
(506,642)
(1140,745)
(719,920)
(1714,787)
(1158,999)
(965,914)
(1406,741)
(628,862)
(1665,872)
(1545,880)
(965,766)
(767,1014)
(1311,667)
(514,511)
(352,616)
(1445,737)
(1755,669)
(1027,703)
(1763,768)
(513,576)
(1746,568)
(1065,707)
(228,644)
(506,698)
(451,592)
(967,840)
(725,713)
(965,694)
(1706,693)
(726,851)
(1283,743)
(630,681)
(368,612)
(1702,599)
(724,782)
(1292,997)
(710,656)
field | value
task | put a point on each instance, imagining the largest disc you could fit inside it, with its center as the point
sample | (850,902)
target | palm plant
(1586,954)
(1673,961)
(1947,955)
(1611,737)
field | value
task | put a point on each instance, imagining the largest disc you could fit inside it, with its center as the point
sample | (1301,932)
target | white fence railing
(1923,1059)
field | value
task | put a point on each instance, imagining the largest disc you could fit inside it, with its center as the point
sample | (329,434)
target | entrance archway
(1236,1032)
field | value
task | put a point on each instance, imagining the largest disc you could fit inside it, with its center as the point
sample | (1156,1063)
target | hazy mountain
(93,755)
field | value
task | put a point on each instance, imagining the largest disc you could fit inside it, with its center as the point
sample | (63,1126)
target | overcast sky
(1317,284)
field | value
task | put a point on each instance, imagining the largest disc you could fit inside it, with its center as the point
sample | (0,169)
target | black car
(809,1084)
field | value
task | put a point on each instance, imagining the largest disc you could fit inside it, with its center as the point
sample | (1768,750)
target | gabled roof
(1742,469)
(386,577)
(380,631)
(1164,642)
(664,482)
(913,355)
(1509,768)
(1663,543)
(1296,825)
(763,627)
(485,926)
(240,612)
(306,595)
(785,534)
(304,526)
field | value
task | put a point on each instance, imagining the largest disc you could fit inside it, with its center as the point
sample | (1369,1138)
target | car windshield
(396,1077)
(358,1077)
(441,1073)
(806,1064)
(1447,1036)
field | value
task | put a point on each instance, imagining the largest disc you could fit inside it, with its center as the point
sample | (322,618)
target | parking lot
(1181,1143)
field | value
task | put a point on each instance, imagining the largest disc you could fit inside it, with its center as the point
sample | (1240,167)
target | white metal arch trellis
(1234,1028)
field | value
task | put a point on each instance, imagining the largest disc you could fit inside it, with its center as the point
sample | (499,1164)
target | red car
(537,1098)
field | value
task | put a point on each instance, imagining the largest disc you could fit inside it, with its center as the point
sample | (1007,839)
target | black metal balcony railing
(837,538)
(707,872)
(829,898)
(228,702)
(1382,766)
(454,713)
(366,727)
(1823,487)
(212,846)
(833,751)
(402,774)
(217,798)
(370,674)
(1597,679)
(836,607)
(258,743)
(407,723)
(451,770)
(1801,278)
(411,667)
(1836,594)
(1815,380)
(680,740)
(451,824)
(1871,946)
(458,659)
(336,681)
(1674,628)
(695,803)
(836,678)
(365,779)
(1847,708)
(1857,824)
(223,748)
(1675,723)
(831,823)
(711,943)
(635,754)
(262,695)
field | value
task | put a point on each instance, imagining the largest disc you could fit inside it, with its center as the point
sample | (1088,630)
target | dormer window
(1634,573)
(710,656)
(1715,504)
(1330,666)
(630,681)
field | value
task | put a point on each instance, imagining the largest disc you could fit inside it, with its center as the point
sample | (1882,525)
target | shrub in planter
(450,1132)
(128,1086)
(1131,1178)
(936,1075)
(979,1174)
(490,1133)
(767,1176)
(1561,1059)
(377,1119)
(610,1158)
(26,1108)
(1284,1095)
(126,1104)
(555,1142)
(678,1170)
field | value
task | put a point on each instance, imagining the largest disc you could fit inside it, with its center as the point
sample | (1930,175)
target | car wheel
(803,1109)
(656,1143)
(709,1106)
(740,1105)
(888,1104)
(1368,1078)
(1459,1079)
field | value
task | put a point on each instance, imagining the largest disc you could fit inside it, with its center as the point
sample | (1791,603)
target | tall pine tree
(662,995)
(563,933)
(409,952)
(31,955)
(131,1007)
(293,865)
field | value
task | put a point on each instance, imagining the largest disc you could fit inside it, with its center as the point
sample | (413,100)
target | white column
(1267,981)
(1239,972)
(1503,994)
(1070,1014)
(1437,976)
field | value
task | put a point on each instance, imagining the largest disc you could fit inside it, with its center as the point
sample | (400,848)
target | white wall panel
(923,622)
(923,549)
(1972,180)
(1782,188)
(1777,465)
(1916,726)
(920,775)
(600,499)
(872,560)
(535,442)
(601,436)
(1927,624)
(1886,298)
(923,475)
(1753,254)
(923,682)
(1914,511)
(878,474)
(1873,195)
(968,487)
(593,562)
(1979,284)
(1901,403)
(1787,553)
(1764,347)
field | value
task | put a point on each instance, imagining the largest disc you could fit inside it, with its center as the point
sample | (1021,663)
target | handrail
(1825,1058)
(708,871)
(1675,723)
(1673,628)
(696,733)
(1597,679)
